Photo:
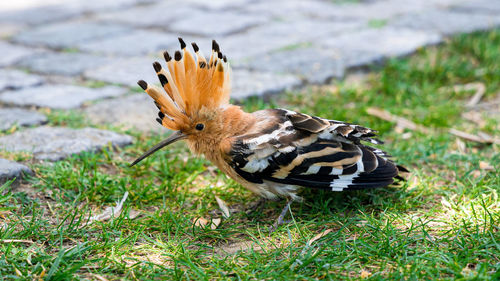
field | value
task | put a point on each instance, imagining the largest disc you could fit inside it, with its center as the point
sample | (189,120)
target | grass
(441,224)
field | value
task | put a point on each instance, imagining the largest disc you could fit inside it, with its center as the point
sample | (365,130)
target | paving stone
(68,34)
(313,64)
(448,22)
(21,117)
(12,53)
(11,79)
(62,10)
(9,29)
(156,15)
(342,10)
(10,170)
(59,96)
(258,83)
(92,6)
(39,14)
(220,4)
(136,111)
(68,64)
(372,45)
(212,23)
(134,43)
(126,71)
(296,9)
(282,35)
(388,9)
(56,143)
(482,6)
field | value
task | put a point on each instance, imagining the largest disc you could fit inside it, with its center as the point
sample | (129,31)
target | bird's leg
(256,205)
(281,217)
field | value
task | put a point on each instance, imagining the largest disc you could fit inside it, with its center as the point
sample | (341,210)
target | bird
(274,153)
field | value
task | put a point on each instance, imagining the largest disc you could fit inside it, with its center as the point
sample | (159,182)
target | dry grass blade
(235,247)
(319,236)
(110,212)
(223,207)
(365,274)
(133,214)
(16,241)
(215,223)
(400,121)
(407,124)
(99,277)
(483,165)
(480,138)
(202,222)
(477,86)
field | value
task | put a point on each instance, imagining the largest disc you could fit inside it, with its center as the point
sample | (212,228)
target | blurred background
(67,54)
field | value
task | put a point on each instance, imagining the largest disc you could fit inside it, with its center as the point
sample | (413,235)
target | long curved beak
(177,135)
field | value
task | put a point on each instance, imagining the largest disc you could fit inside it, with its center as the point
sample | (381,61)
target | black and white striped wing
(312,152)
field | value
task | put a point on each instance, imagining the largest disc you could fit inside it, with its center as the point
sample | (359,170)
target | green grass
(443,223)
(377,23)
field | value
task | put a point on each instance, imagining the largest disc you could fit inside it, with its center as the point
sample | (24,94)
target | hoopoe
(272,152)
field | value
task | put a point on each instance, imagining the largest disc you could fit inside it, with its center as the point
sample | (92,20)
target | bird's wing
(303,150)
(342,131)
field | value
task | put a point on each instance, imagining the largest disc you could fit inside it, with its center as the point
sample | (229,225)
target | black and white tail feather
(299,150)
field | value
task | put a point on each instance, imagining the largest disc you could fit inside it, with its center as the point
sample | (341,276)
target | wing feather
(302,150)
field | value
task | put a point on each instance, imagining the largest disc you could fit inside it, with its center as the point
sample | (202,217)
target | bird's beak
(177,135)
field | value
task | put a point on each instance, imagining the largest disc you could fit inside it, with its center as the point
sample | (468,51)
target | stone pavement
(65,54)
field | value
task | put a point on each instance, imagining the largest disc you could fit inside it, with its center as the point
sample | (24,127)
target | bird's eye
(199,126)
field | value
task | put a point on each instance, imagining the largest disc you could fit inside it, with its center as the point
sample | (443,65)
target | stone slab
(53,11)
(135,111)
(68,64)
(21,117)
(10,170)
(11,79)
(282,35)
(59,96)
(216,23)
(372,45)
(9,29)
(93,6)
(343,10)
(68,34)
(448,22)
(384,9)
(258,83)
(126,71)
(156,15)
(220,4)
(39,14)
(297,9)
(478,6)
(56,143)
(316,65)
(12,53)
(134,43)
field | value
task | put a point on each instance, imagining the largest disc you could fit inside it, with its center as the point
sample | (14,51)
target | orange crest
(190,84)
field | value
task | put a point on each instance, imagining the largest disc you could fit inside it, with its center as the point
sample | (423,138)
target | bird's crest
(190,83)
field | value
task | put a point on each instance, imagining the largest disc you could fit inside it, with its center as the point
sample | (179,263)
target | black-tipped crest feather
(167,56)
(183,44)
(142,84)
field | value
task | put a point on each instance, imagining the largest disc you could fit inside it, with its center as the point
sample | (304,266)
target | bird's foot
(281,217)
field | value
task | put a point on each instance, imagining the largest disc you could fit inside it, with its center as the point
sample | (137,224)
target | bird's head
(196,104)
